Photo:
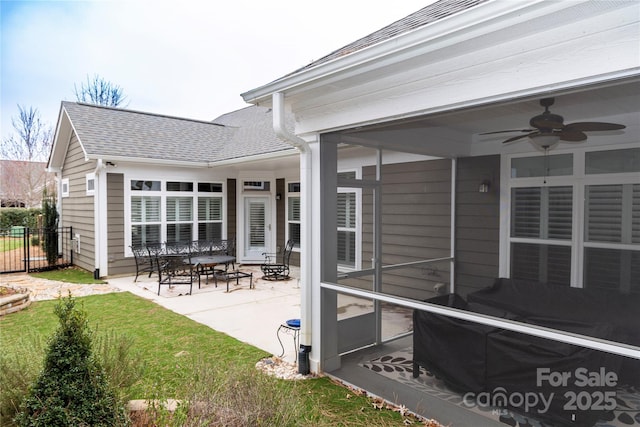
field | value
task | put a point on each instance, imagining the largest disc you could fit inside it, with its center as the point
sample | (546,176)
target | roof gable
(106,132)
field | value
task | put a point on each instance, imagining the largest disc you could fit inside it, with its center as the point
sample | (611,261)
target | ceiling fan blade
(572,135)
(515,138)
(592,126)
(510,130)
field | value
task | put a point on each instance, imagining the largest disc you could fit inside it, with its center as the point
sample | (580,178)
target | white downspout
(305,198)
(97,223)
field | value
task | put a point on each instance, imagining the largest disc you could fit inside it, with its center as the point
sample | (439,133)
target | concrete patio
(249,315)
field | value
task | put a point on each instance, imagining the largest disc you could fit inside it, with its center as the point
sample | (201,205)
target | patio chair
(175,269)
(276,266)
(144,262)
(201,247)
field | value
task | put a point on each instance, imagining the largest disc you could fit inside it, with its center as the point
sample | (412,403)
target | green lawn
(177,354)
(10,243)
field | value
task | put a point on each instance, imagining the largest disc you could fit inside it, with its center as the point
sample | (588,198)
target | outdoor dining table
(208,262)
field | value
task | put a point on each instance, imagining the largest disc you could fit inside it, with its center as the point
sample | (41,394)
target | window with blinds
(607,247)
(175,211)
(346,221)
(293,213)
(542,214)
(145,220)
(612,222)
(209,218)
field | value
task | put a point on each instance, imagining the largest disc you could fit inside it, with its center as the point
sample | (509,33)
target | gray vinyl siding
(78,208)
(416,212)
(118,264)
(477,223)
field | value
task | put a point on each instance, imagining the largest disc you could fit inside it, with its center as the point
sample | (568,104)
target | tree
(100,92)
(23,177)
(72,389)
(50,229)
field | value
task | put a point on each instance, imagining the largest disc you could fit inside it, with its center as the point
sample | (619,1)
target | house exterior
(127,177)
(545,207)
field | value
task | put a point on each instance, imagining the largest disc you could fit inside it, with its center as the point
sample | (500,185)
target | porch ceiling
(458,133)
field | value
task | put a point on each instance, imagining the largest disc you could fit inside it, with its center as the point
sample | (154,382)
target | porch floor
(353,372)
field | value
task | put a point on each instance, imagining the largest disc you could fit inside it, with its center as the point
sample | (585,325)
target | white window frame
(358,221)
(64,187)
(579,180)
(292,195)
(90,184)
(164,195)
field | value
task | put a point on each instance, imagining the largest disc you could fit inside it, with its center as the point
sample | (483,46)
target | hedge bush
(10,217)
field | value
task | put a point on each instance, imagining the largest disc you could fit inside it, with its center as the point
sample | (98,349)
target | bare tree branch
(100,92)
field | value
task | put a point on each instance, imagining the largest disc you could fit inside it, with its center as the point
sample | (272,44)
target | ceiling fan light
(545,140)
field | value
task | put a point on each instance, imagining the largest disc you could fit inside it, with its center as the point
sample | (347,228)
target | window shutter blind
(603,213)
(179,209)
(346,210)
(145,209)
(560,212)
(294,208)
(210,209)
(525,212)
(256,217)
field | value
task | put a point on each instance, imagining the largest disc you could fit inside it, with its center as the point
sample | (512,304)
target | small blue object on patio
(290,327)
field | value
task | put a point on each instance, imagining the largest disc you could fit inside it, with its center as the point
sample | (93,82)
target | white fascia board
(61,139)
(456,28)
(169,162)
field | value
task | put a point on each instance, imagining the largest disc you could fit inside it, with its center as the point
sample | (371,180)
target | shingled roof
(433,12)
(113,132)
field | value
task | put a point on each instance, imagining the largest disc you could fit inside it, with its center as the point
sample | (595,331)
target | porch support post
(328,170)
(452,263)
(377,241)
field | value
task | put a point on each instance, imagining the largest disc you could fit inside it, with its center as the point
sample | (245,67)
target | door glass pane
(256,228)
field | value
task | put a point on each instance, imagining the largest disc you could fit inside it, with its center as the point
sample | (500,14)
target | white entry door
(257,220)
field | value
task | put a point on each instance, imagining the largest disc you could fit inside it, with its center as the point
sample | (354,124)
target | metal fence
(24,249)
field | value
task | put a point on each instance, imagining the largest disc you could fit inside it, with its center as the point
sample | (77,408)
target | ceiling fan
(547,129)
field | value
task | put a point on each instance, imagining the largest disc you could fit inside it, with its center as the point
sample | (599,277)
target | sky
(182,58)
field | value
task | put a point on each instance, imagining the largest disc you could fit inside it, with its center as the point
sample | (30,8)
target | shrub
(72,389)
(50,237)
